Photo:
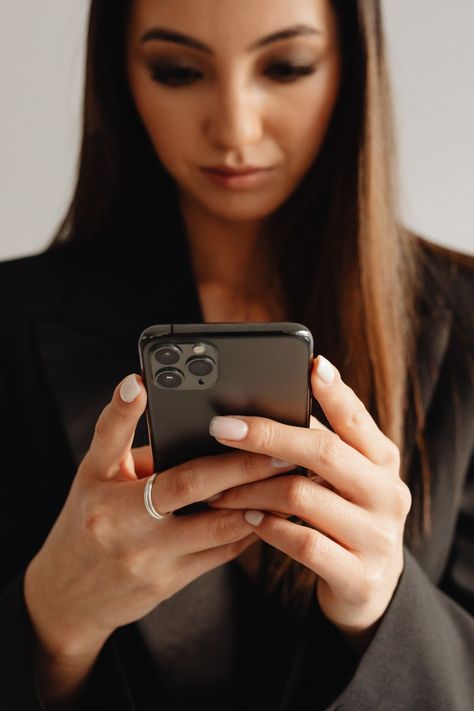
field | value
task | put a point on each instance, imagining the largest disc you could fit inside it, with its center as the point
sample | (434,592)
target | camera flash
(199,349)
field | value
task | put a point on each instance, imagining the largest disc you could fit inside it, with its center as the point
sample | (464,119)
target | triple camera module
(186,366)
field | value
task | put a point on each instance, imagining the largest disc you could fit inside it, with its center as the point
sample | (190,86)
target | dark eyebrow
(168,35)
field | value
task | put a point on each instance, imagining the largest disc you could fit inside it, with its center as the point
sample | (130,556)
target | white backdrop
(41,72)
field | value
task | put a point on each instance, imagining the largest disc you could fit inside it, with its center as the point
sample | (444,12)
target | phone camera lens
(169,378)
(200,366)
(168,355)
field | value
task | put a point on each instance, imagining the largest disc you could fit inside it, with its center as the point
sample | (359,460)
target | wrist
(359,640)
(60,636)
(60,681)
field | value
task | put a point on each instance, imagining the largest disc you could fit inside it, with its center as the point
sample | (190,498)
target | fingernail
(130,389)
(253,517)
(214,498)
(325,370)
(281,463)
(228,428)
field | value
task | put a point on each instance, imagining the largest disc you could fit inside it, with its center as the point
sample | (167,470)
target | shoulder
(445,263)
(447,285)
(35,284)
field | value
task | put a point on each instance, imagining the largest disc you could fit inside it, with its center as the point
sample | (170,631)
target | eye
(286,72)
(174,75)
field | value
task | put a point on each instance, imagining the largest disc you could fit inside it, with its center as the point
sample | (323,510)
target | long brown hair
(348,269)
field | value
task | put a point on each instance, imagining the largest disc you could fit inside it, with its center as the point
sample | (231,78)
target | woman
(368,601)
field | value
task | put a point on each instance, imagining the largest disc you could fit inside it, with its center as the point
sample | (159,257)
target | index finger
(316,449)
(348,415)
(143,461)
(115,428)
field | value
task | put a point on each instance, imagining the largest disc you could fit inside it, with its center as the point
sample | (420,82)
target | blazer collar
(113,294)
(91,341)
(432,344)
(117,288)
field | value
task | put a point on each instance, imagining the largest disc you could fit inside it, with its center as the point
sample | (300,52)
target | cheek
(169,124)
(304,123)
(169,130)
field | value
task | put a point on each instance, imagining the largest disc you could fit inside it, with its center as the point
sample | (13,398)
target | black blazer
(69,326)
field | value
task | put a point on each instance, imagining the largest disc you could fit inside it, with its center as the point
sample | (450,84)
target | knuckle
(227,527)
(397,498)
(309,545)
(247,465)
(392,457)
(131,564)
(100,529)
(357,415)
(372,581)
(387,539)
(402,499)
(408,499)
(328,449)
(102,428)
(366,582)
(98,525)
(264,436)
(364,590)
(183,484)
(133,567)
(296,491)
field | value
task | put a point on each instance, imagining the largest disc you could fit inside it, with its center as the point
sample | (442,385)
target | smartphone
(193,372)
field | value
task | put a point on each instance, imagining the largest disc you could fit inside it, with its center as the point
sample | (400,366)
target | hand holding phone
(193,372)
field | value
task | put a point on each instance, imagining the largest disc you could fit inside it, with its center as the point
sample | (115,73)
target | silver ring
(149,503)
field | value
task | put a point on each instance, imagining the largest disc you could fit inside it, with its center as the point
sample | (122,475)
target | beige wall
(41,66)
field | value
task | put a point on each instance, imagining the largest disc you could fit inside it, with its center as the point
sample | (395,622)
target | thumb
(115,428)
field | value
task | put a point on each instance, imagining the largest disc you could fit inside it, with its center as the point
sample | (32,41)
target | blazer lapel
(432,344)
(82,370)
(92,341)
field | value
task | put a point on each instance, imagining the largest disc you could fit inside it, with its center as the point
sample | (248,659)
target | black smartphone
(193,372)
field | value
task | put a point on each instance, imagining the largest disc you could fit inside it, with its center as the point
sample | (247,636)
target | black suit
(69,328)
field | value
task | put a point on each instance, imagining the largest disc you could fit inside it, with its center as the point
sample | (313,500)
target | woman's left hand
(354,540)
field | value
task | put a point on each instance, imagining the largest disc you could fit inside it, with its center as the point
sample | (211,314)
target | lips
(227,172)
(248,178)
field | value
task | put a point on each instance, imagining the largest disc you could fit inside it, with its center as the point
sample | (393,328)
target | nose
(235,119)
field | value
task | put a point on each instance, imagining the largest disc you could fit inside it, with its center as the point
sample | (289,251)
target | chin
(238,208)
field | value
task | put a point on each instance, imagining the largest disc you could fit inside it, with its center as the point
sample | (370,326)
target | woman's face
(214,88)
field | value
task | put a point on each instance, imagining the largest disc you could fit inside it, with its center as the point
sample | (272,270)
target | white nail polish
(130,389)
(325,370)
(253,517)
(228,428)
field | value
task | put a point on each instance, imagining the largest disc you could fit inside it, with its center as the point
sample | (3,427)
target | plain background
(431,56)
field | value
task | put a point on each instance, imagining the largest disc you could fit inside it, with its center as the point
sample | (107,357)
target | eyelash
(169,75)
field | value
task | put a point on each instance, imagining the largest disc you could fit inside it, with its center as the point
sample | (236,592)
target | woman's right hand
(106,561)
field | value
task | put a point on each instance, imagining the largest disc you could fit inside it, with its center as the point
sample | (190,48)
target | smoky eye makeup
(173,74)
(174,71)
(177,72)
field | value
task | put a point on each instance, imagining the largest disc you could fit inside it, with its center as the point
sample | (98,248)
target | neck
(222,251)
